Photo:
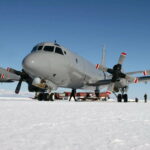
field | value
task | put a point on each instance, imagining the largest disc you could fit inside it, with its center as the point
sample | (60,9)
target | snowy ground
(61,125)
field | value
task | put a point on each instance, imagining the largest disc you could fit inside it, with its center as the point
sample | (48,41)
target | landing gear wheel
(125,98)
(46,97)
(97,91)
(51,97)
(41,96)
(119,98)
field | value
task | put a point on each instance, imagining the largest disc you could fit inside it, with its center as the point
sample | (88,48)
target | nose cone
(30,64)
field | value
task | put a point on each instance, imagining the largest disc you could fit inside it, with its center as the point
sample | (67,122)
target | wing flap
(143,79)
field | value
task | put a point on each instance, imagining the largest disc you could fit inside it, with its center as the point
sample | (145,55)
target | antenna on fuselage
(56,43)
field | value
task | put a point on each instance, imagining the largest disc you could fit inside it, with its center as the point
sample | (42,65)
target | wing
(108,81)
(6,76)
(145,72)
(141,79)
(145,78)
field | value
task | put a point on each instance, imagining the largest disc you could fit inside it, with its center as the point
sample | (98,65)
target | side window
(65,52)
(49,48)
(59,51)
(76,60)
(40,47)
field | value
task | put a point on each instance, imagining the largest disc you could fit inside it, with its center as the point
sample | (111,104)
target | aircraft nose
(29,64)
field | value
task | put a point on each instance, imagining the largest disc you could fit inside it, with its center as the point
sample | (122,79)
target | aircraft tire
(119,98)
(40,96)
(125,98)
(97,93)
(46,97)
(51,97)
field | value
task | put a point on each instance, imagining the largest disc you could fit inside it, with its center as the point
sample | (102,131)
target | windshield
(49,48)
(40,47)
(59,51)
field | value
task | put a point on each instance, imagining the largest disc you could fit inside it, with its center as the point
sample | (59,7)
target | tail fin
(103,59)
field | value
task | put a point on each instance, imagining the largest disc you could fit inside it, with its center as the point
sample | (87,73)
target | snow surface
(10,93)
(27,124)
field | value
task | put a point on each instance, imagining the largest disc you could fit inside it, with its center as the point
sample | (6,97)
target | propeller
(117,73)
(23,77)
(17,90)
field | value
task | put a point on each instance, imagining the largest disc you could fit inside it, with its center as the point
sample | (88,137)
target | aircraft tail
(103,59)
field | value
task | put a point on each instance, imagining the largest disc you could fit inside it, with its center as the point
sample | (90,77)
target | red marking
(97,66)
(8,69)
(124,54)
(136,80)
(108,92)
(2,76)
(145,73)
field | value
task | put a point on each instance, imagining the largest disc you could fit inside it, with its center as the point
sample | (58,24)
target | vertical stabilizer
(103,59)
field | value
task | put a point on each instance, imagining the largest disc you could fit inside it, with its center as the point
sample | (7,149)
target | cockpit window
(49,48)
(34,49)
(59,51)
(40,47)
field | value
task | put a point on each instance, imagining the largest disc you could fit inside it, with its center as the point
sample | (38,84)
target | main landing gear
(123,97)
(97,93)
(45,96)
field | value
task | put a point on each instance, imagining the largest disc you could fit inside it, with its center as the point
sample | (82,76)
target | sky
(81,26)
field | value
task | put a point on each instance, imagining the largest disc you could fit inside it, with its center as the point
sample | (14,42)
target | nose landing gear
(45,97)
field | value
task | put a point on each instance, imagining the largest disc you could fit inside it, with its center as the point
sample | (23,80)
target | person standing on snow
(73,94)
(145,98)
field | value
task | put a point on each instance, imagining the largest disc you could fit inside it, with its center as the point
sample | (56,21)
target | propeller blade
(109,70)
(122,58)
(131,79)
(122,75)
(18,86)
(101,67)
(146,72)
(14,71)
